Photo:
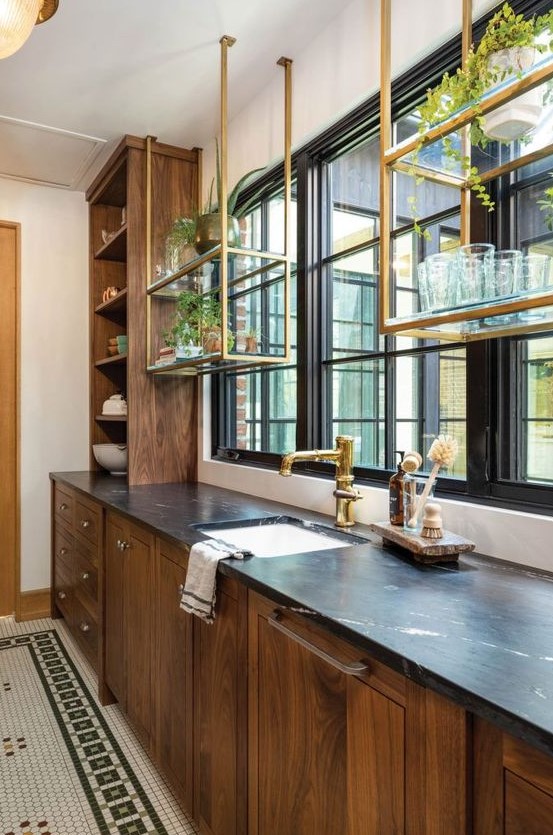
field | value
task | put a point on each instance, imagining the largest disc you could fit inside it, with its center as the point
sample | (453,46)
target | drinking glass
(535,277)
(422,283)
(535,273)
(441,278)
(503,280)
(413,488)
(475,267)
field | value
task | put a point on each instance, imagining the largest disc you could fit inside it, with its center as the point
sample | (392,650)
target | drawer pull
(62,595)
(85,575)
(85,523)
(354,669)
(62,551)
(122,545)
(62,506)
(84,626)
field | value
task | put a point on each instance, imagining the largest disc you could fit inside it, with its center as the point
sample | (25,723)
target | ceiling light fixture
(17,18)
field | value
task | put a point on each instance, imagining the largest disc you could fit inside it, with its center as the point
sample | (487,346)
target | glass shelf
(244,318)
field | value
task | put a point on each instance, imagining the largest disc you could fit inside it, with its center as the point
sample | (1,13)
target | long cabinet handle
(354,669)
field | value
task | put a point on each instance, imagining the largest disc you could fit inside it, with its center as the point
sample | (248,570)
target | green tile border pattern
(118,801)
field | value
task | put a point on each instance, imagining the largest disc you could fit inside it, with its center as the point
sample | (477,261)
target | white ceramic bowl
(112,457)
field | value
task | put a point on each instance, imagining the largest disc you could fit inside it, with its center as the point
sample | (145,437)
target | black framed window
(388,392)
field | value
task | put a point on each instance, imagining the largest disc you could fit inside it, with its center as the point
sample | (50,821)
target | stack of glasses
(478,273)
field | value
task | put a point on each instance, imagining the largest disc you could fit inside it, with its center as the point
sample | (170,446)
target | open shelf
(118,359)
(111,418)
(115,249)
(117,304)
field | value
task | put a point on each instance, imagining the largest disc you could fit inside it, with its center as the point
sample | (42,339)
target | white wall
(335,72)
(54,354)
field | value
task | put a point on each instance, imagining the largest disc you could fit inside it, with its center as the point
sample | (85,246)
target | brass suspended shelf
(240,282)
(421,156)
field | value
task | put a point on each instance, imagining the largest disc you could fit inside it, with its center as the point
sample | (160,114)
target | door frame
(15,566)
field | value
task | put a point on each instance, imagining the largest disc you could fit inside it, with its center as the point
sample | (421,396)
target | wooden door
(220,665)
(327,750)
(174,733)
(513,785)
(114,649)
(9,418)
(138,627)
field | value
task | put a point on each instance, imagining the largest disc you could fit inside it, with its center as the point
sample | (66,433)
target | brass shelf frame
(224,359)
(395,158)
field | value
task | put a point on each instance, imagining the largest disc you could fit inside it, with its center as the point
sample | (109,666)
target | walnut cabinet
(339,744)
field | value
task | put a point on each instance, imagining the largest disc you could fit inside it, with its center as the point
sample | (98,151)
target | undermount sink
(278,536)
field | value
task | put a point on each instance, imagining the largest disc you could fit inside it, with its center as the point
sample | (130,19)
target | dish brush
(432,521)
(443,453)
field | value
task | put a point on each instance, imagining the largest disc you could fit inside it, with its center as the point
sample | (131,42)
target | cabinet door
(139,623)
(327,750)
(221,714)
(174,740)
(114,561)
(513,785)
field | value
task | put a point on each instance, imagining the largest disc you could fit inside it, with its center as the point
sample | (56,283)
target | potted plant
(252,337)
(179,243)
(507,48)
(196,327)
(208,224)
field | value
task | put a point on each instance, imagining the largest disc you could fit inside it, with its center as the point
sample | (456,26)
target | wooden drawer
(64,504)
(63,591)
(86,579)
(64,549)
(87,524)
(85,630)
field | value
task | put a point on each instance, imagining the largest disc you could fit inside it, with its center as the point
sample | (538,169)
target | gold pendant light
(17,18)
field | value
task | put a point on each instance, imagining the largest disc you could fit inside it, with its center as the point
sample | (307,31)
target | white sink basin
(276,539)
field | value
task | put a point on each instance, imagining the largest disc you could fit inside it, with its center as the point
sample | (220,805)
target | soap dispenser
(407,463)
(396,492)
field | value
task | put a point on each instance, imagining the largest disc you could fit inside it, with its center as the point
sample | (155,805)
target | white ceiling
(102,68)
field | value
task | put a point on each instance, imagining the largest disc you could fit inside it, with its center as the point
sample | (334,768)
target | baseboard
(33,605)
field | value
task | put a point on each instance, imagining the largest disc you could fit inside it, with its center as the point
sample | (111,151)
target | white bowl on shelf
(112,457)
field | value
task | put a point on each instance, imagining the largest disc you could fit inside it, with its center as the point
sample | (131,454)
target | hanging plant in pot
(208,224)
(510,45)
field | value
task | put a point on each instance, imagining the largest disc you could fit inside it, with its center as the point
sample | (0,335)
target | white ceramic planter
(513,120)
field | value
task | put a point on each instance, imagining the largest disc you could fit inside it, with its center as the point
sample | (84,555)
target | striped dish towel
(198,595)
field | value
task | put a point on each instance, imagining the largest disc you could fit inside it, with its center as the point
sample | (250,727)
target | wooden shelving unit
(160,427)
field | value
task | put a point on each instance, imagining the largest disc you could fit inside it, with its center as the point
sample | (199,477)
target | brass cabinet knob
(85,523)
(62,506)
(124,545)
(84,626)
(62,551)
(180,591)
(85,575)
(62,595)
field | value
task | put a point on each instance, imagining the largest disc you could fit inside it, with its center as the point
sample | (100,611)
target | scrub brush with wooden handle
(443,453)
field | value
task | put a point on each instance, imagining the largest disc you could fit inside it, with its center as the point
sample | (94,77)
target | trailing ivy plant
(467,86)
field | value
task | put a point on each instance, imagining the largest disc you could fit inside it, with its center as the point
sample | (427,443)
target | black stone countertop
(480,632)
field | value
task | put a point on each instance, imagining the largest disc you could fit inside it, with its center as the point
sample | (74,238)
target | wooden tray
(422,549)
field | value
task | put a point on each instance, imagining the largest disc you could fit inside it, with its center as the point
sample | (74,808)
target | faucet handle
(352,495)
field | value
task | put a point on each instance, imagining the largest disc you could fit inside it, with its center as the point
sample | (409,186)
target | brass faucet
(345,492)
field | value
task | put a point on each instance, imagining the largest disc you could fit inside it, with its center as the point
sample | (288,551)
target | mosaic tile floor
(67,765)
